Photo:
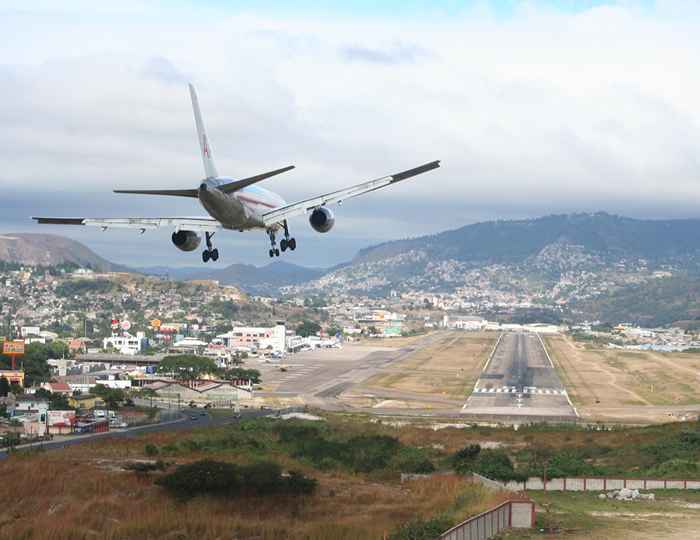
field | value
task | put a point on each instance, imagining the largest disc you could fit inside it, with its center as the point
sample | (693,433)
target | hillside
(513,241)
(674,300)
(579,265)
(50,250)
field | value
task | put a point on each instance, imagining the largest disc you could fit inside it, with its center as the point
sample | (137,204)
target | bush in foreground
(217,478)
(420,529)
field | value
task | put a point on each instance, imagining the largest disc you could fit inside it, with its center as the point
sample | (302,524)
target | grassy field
(449,366)
(582,516)
(85,492)
(610,384)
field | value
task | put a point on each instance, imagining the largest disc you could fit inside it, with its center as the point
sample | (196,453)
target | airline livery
(238,204)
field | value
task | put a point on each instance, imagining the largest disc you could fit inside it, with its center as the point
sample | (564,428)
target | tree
(240,373)
(36,367)
(308,328)
(187,367)
(334,330)
(111,396)
(56,401)
(4,387)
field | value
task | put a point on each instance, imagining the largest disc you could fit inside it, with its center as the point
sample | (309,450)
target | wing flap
(59,221)
(178,223)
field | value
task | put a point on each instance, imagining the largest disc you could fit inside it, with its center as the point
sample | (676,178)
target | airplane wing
(178,223)
(280,214)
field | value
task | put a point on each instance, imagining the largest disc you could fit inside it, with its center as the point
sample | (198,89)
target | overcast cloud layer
(532,111)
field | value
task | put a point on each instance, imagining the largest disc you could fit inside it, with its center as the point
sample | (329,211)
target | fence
(588,484)
(510,514)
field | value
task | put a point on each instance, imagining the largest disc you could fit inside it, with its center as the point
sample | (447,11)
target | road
(519,381)
(190,419)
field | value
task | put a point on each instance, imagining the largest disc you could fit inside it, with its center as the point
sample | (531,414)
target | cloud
(162,69)
(400,54)
(542,111)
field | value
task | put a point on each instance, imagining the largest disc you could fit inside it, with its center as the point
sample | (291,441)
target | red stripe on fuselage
(254,201)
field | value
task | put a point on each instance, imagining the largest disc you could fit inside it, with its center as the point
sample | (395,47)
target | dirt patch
(448,366)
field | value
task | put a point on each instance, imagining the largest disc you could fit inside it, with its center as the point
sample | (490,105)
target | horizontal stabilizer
(172,192)
(240,184)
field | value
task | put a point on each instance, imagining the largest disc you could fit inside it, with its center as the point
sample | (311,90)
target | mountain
(49,250)
(573,266)
(262,280)
(512,241)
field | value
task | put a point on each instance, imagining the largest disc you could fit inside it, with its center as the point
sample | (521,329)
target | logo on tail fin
(205,146)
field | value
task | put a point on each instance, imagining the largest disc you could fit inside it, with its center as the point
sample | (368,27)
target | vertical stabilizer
(205,147)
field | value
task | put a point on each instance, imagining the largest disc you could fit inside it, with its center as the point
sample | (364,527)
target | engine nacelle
(186,240)
(322,219)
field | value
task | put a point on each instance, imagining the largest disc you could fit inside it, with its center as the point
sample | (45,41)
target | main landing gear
(210,253)
(285,243)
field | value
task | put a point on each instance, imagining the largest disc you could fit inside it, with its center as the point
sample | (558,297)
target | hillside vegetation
(336,479)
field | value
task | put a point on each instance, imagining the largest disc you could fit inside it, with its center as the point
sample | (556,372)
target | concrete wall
(587,484)
(522,514)
(595,484)
(615,483)
(575,484)
(555,484)
(492,522)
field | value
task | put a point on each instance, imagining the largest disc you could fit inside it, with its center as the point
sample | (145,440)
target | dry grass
(81,493)
(449,366)
(602,381)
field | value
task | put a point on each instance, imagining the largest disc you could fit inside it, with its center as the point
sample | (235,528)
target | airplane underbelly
(228,210)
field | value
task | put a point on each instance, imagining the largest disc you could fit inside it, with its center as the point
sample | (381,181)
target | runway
(519,382)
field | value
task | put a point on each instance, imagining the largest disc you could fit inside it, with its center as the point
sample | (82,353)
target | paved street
(190,419)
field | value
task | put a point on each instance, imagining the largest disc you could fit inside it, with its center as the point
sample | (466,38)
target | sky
(534,108)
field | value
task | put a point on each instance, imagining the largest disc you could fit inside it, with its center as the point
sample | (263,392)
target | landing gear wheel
(214,254)
(277,252)
(272,253)
(292,244)
(283,244)
(205,255)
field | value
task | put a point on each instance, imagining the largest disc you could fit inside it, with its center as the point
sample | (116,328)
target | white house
(126,343)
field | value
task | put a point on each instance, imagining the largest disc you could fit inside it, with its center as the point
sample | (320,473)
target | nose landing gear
(210,253)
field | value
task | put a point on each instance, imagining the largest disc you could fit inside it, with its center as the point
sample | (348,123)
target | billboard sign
(13,347)
(61,418)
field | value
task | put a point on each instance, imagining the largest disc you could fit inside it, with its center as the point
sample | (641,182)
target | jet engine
(186,240)
(322,219)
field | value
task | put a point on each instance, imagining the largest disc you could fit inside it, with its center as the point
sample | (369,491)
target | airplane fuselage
(240,210)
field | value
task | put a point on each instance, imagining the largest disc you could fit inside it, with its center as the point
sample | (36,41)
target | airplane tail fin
(205,147)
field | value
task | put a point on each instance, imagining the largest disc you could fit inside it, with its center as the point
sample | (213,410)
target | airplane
(237,205)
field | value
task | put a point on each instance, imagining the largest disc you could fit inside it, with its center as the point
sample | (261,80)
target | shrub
(209,477)
(568,464)
(496,465)
(464,460)
(421,529)
(150,449)
(412,460)
(371,452)
(141,467)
